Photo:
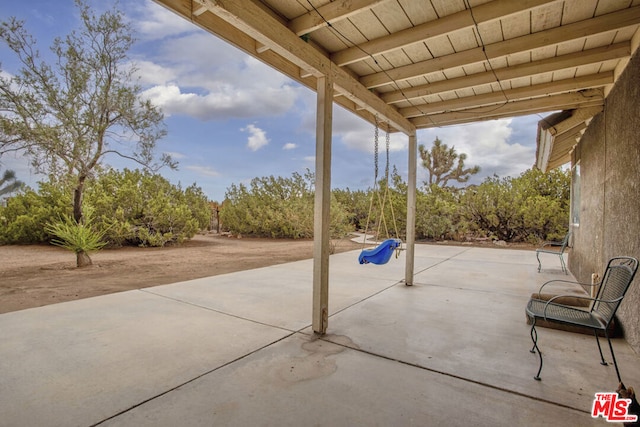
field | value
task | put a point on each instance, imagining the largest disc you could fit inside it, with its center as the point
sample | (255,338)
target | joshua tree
(444,164)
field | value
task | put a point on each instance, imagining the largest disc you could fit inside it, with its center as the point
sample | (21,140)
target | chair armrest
(550,244)
(566,281)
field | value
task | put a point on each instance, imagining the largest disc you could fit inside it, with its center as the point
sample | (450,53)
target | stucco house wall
(608,156)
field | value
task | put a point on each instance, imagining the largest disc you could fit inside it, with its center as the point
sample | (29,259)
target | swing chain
(375,151)
(386,170)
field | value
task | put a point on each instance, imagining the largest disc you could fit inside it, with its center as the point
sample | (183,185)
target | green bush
(437,214)
(356,204)
(25,215)
(140,208)
(531,207)
(129,207)
(278,207)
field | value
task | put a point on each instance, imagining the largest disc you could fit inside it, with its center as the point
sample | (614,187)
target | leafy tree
(9,183)
(444,164)
(67,115)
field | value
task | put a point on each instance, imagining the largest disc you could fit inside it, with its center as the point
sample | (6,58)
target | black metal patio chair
(548,248)
(611,290)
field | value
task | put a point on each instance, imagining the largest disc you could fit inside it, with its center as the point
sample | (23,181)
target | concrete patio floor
(237,350)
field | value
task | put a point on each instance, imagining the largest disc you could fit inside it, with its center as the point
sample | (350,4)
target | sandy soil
(33,276)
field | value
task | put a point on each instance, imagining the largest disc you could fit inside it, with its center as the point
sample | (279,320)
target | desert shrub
(139,208)
(531,207)
(24,217)
(437,214)
(130,207)
(278,207)
(356,204)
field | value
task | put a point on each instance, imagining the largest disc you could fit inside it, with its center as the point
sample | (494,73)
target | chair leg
(613,356)
(534,338)
(539,263)
(602,361)
(564,266)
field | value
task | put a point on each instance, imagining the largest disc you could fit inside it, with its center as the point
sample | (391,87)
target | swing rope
(375,194)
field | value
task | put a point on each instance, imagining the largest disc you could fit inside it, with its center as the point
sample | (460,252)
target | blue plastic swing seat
(381,253)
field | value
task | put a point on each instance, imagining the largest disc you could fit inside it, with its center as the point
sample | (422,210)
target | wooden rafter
(568,101)
(329,13)
(553,61)
(589,27)
(448,24)
(510,95)
(571,60)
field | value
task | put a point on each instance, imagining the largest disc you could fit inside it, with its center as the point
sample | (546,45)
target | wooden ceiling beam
(510,95)
(591,56)
(588,27)
(570,101)
(486,12)
(330,12)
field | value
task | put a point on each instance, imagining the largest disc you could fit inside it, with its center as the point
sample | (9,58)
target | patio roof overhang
(420,64)
(558,134)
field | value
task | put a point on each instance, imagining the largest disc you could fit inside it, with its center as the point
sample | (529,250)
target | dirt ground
(37,275)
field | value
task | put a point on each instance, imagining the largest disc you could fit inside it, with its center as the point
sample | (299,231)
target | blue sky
(231,118)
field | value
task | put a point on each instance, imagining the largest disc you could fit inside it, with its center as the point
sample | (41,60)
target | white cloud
(154,21)
(203,170)
(151,73)
(225,103)
(310,159)
(196,74)
(289,146)
(257,137)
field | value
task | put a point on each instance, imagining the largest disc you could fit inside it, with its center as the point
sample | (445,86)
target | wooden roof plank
(568,85)
(330,12)
(589,98)
(601,24)
(496,9)
(605,53)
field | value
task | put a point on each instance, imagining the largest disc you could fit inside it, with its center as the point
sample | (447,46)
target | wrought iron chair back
(617,278)
(614,286)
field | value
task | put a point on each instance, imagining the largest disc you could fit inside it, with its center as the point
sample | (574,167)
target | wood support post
(411,210)
(321,217)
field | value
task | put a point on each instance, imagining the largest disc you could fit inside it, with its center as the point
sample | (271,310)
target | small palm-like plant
(80,238)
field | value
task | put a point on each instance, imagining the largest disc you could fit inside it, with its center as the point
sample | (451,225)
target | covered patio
(239,349)
(416,64)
